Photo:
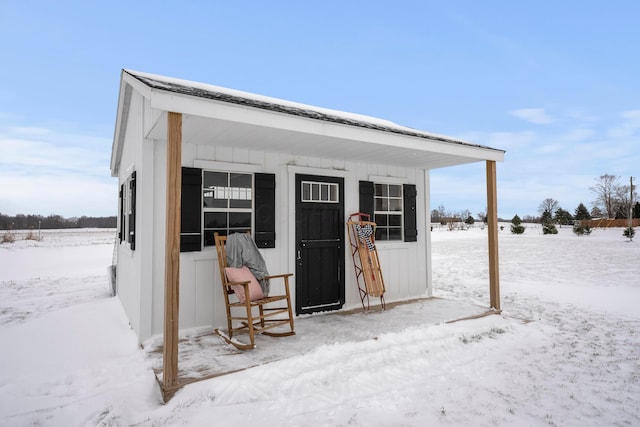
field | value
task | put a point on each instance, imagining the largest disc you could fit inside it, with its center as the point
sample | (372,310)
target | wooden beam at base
(492,223)
(172,252)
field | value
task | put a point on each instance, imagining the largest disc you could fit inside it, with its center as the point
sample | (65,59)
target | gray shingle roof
(185,89)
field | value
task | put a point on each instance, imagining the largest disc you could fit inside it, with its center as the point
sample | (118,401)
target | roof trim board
(224,116)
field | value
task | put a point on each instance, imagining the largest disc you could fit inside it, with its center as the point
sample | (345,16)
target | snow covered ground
(565,352)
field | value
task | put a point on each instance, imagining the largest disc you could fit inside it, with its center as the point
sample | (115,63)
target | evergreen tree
(469,220)
(516,227)
(581,230)
(546,217)
(549,228)
(563,217)
(629,232)
(547,223)
(582,212)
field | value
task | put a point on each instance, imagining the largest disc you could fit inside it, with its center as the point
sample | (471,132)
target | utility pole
(630,208)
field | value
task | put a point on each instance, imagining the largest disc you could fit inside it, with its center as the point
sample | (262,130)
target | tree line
(613,200)
(34,222)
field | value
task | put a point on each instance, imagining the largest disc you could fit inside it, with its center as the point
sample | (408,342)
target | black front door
(319,243)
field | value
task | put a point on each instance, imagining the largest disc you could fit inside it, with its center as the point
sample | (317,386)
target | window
(372,202)
(227,201)
(127,229)
(388,211)
(320,192)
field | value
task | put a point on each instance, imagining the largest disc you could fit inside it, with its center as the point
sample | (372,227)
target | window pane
(378,204)
(315,191)
(215,179)
(242,204)
(381,190)
(324,192)
(237,180)
(306,191)
(334,193)
(395,234)
(395,205)
(381,220)
(395,191)
(239,219)
(215,220)
(214,189)
(395,220)
(381,233)
(209,238)
(210,201)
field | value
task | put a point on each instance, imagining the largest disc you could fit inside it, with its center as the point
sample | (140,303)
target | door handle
(299,257)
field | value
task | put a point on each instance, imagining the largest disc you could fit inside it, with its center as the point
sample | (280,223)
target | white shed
(192,159)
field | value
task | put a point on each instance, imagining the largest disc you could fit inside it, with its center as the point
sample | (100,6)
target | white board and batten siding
(201,300)
(233,131)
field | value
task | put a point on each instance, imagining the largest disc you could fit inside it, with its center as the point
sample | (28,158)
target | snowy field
(565,352)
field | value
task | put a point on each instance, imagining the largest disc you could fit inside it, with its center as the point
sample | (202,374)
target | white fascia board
(115,144)
(122,113)
(178,103)
(136,84)
(127,85)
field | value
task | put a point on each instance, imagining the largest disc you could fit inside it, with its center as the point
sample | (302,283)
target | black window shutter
(191,210)
(121,217)
(366,197)
(132,214)
(265,215)
(409,210)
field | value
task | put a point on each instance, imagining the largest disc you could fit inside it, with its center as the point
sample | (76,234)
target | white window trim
(391,181)
(215,166)
(379,179)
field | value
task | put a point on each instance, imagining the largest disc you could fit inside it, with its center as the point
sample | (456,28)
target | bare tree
(482,216)
(595,212)
(548,205)
(606,191)
(624,199)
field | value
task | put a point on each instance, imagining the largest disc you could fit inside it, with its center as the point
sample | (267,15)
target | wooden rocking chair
(240,315)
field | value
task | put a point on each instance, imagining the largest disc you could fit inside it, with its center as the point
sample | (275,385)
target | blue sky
(555,84)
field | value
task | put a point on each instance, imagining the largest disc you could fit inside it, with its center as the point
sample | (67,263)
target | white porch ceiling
(225,117)
(418,153)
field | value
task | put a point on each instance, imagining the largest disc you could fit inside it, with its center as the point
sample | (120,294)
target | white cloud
(44,171)
(502,140)
(550,148)
(629,126)
(533,115)
(576,135)
(68,195)
(581,116)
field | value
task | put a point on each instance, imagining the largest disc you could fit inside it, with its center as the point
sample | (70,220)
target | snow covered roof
(214,115)
(232,96)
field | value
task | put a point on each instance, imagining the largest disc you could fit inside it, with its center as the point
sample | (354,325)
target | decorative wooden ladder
(365,258)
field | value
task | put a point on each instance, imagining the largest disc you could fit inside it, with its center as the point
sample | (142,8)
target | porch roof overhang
(225,117)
